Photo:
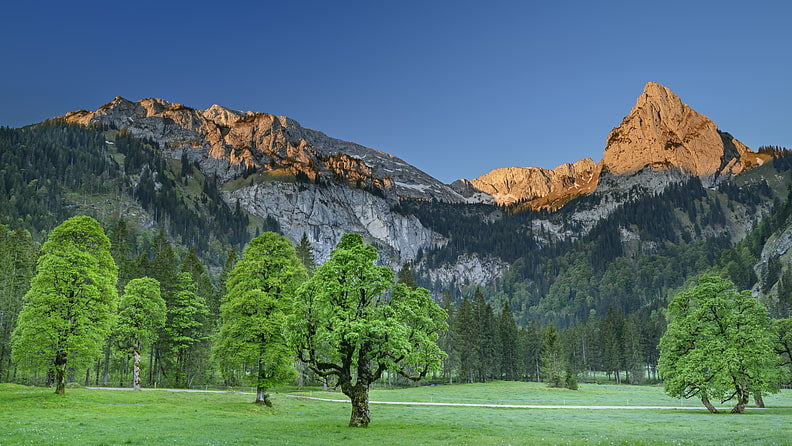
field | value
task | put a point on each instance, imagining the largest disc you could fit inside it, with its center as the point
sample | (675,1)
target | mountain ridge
(660,133)
(273,168)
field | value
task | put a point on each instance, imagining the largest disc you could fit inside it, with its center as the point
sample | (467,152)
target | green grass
(94,417)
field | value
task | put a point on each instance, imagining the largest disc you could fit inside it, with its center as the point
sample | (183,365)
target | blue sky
(456,88)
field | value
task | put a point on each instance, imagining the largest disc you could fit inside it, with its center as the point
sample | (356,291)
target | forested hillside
(54,170)
(595,299)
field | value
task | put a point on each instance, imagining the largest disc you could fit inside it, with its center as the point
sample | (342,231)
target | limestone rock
(228,143)
(468,269)
(662,133)
(525,184)
(324,214)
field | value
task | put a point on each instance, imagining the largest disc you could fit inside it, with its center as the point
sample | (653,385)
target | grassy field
(94,417)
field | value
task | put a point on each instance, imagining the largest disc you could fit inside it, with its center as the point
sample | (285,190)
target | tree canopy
(260,295)
(141,315)
(68,311)
(720,344)
(352,322)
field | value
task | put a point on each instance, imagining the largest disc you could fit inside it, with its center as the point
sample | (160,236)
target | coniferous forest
(589,308)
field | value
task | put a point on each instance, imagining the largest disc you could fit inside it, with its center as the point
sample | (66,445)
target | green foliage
(554,367)
(719,345)
(186,317)
(259,298)
(352,322)
(68,311)
(17,266)
(141,315)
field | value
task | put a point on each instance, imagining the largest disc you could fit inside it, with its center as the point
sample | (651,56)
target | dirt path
(513,406)
(414,403)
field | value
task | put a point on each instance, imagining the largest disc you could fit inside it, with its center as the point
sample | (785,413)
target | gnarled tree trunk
(360,407)
(261,391)
(758,400)
(742,398)
(60,373)
(707,404)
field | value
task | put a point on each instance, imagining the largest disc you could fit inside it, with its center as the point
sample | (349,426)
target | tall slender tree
(554,366)
(260,296)
(508,334)
(141,314)
(186,316)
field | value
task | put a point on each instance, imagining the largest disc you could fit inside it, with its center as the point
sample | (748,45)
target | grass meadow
(37,416)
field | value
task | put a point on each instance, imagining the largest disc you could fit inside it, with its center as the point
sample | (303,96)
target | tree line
(486,344)
(350,320)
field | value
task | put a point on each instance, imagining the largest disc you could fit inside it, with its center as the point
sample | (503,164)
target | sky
(455,88)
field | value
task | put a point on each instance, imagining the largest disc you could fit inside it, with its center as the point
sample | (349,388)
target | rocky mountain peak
(662,132)
(530,184)
(227,142)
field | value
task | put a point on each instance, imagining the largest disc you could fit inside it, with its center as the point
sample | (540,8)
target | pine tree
(553,364)
(17,263)
(508,343)
(305,254)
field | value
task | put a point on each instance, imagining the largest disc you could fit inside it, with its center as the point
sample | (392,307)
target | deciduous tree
(260,295)
(68,311)
(350,321)
(719,345)
(141,314)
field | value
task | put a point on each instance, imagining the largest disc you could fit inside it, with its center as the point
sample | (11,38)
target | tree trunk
(262,397)
(261,391)
(758,400)
(742,399)
(60,373)
(708,405)
(360,408)
(136,366)
(106,364)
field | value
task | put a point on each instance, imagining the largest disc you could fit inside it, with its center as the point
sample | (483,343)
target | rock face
(661,133)
(531,184)
(228,142)
(468,269)
(310,183)
(324,214)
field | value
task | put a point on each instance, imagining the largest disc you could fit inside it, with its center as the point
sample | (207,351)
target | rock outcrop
(308,182)
(228,143)
(324,214)
(662,133)
(533,185)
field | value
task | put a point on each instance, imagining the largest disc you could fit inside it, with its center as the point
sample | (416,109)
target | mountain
(227,143)
(539,187)
(658,135)
(671,194)
(274,168)
(661,133)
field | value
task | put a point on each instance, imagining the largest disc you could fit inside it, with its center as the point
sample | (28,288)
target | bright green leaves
(353,322)
(69,308)
(719,345)
(141,313)
(259,298)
